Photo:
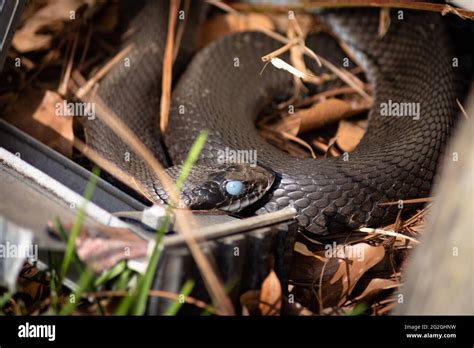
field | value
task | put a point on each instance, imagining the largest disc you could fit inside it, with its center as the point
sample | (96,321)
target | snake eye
(234,187)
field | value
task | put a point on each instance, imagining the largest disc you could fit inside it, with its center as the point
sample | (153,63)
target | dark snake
(396,159)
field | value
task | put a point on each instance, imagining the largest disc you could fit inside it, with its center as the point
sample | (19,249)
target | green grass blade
(359,309)
(176,305)
(62,233)
(123,280)
(146,281)
(76,228)
(111,273)
(193,155)
(5,298)
(53,290)
(84,281)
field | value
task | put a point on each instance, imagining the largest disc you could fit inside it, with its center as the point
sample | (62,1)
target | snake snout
(228,187)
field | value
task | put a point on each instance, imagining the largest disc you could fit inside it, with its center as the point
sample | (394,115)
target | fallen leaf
(290,124)
(270,295)
(323,113)
(349,135)
(374,287)
(54,14)
(35,114)
(333,272)
(250,301)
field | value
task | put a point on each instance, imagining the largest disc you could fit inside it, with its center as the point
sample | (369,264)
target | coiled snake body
(396,159)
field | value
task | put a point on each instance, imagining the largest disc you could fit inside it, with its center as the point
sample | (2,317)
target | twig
(314,4)
(152,293)
(102,72)
(387,233)
(463,111)
(410,201)
(384,21)
(329,93)
(224,7)
(168,66)
(67,74)
(279,51)
(86,47)
(285,40)
(348,78)
(110,167)
(180,30)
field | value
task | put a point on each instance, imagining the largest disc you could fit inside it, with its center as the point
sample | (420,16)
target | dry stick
(329,93)
(410,201)
(401,4)
(296,56)
(387,233)
(102,72)
(152,293)
(285,40)
(384,21)
(280,51)
(62,90)
(463,111)
(66,54)
(184,217)
(180,30)
(110,167)
(344,75)
(289,136)
(348,78)
(222,6)
(86,47)
(417,216)
(168,66)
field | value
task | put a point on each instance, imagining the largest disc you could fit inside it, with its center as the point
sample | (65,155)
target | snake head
(227,187)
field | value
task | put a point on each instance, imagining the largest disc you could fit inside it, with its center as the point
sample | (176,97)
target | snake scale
(396,159)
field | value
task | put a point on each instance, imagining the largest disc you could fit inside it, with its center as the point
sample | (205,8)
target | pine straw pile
(352,273)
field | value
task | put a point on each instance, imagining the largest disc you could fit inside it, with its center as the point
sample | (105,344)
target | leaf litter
(328,123)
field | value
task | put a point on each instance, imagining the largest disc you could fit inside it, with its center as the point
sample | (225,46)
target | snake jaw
(213,195)
(205,187)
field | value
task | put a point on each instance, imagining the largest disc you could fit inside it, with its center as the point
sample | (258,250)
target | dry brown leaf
(270,295)
(374,287)
(54,14)
(250,301)
(231,23)
(290,125)
(323,113)
(349,135)
(35,114)
(317,116)
(335,274)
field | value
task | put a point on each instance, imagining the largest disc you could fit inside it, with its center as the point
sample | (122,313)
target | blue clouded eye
(234,187)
